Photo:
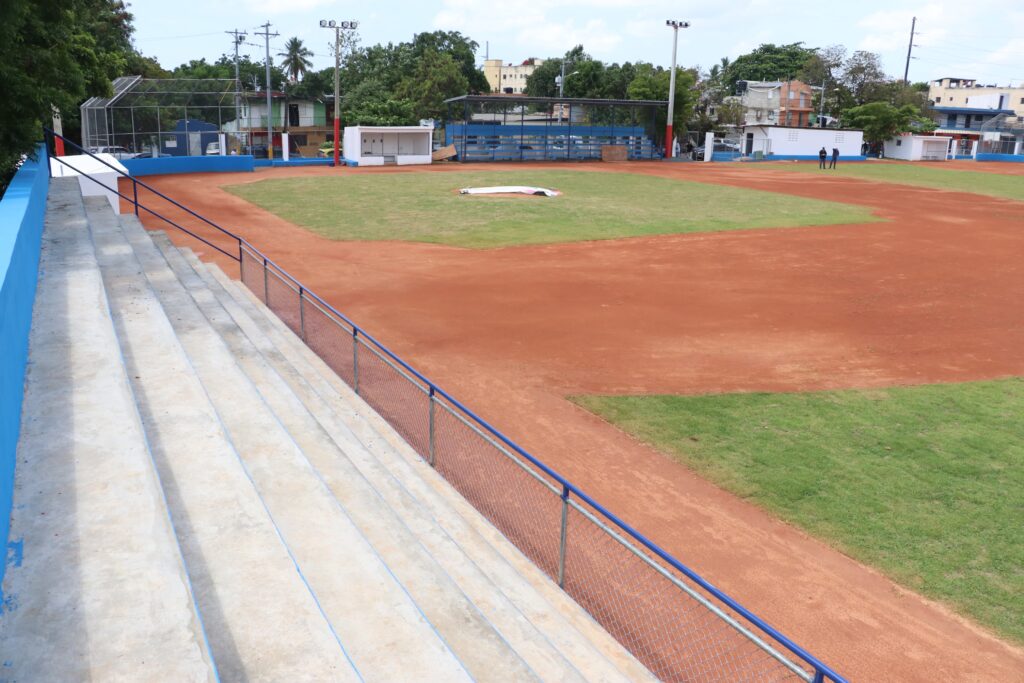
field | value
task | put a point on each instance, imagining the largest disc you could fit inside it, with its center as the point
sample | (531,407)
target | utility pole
(239,36)
(669,140)
(338,26)
(821,107)
(910,47)
(267,35)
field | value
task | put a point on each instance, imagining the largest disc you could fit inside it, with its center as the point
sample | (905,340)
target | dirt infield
(932,295)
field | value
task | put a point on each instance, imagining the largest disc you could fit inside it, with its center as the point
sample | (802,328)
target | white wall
(915,147)
(367,146)
(102,179)
(804,141)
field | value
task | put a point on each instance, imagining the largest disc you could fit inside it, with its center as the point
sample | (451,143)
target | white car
(116,152)
(213,149)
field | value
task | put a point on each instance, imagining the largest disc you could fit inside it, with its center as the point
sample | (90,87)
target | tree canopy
(881,121)
(768,62)
(54,54)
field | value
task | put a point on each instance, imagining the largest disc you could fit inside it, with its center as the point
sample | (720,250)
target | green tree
(767,63)
(53,54)
(369,104)
(462,51)
(296,59)
(865,78)
(881,121)
(652,83)
(437,77)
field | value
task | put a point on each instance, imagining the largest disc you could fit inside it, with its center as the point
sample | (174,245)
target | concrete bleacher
(199,497)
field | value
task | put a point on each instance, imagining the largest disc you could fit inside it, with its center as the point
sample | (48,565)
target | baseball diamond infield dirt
(933,294)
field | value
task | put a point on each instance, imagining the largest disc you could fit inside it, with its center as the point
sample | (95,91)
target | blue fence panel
(205,164)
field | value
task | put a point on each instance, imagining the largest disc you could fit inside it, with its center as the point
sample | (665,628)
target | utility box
(388,145)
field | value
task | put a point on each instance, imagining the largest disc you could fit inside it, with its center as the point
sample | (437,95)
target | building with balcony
(966,93)
(508,77)
(776,103)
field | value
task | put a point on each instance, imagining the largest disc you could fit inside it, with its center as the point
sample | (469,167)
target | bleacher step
(98,590)
(414,490)
(242,574)
(486,631)
(382,629)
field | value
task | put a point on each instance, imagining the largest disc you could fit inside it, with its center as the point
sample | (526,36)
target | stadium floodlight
(338,27)
(669,140)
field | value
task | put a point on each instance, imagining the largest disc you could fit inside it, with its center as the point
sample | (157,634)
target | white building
(789,142)
(388,145)
(966,93)
(910,147)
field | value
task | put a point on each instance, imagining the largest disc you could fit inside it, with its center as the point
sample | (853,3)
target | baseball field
(805,384)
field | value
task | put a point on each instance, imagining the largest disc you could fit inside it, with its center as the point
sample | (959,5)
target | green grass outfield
(424,207)
(926,483)
(930,174)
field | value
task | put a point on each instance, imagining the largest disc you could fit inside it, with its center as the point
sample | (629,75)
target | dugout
(521,128)
(388,145)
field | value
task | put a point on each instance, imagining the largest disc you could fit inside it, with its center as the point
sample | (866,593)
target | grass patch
(423,207)
(925,483)
(935,176)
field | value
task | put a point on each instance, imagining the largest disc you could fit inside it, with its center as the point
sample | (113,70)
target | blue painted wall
(21,229)
(204,164)
(1019,158)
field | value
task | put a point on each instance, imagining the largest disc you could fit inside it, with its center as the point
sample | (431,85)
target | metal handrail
(822,671)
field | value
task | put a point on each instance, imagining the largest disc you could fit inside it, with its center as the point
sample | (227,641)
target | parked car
(114,151)
(326,151)
(730,147)
(213,149)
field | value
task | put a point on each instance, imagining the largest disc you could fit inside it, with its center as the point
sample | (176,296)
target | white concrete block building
(910,147)
(787,142)
(388,145)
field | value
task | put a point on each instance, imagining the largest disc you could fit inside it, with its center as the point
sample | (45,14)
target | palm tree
(296,59)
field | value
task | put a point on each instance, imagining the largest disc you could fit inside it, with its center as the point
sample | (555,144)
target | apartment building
(506,77)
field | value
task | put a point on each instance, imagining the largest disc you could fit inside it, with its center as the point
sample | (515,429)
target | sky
(982,39)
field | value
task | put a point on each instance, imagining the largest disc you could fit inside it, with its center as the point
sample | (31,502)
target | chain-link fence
(680,627)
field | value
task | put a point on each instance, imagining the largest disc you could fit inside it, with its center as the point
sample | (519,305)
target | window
(899,143)
(1022,100)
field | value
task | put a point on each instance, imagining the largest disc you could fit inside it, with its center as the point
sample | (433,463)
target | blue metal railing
(567,491)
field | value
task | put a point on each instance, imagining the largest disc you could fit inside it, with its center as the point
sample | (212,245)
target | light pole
(561,88)
(338,27)
(669,140)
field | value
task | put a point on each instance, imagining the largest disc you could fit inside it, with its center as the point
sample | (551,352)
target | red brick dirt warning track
(931,295)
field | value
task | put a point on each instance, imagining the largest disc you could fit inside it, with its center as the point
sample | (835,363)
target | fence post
(432,402)
(561,542)
(355,359)
(302,313)
(135,195)
(819,676)
(266,296)
(241,263)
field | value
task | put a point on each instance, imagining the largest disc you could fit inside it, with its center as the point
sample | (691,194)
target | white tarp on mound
(510,189)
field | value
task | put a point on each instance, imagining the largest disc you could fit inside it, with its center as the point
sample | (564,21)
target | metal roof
(517,99)
(971,110)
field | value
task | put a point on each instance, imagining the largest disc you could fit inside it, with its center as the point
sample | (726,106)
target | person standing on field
(835,157)
(822,155)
